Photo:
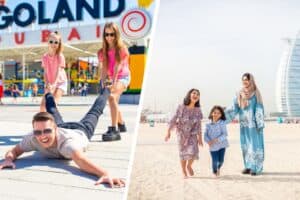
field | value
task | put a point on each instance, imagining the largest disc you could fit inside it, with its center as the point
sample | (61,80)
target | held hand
(167,137)
(113,86)
(7,164)
(49,88)
(213,141)
(111,181)
(216,140)
(101,86)
(200,143)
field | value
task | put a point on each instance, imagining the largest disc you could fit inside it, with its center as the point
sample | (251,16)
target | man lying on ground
(57,139)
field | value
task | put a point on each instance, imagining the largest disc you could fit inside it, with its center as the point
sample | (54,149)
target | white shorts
(63,87)
(125,80)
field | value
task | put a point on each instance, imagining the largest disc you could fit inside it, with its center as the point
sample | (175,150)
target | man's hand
(7,164)
(10,156)
(113,182)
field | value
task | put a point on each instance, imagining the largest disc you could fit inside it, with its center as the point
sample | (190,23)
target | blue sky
(210,44)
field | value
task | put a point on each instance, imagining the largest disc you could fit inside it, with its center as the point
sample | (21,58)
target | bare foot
(215,175)
(218,172)
(190,170)
(185,176)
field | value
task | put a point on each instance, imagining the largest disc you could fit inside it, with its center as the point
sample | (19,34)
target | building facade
(288,79)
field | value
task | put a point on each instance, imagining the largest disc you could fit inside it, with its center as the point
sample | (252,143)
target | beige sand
(156,171)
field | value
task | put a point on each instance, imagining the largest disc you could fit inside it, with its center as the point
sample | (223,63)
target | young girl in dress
(53,63)
(114,66)
(215,136)
(187,122)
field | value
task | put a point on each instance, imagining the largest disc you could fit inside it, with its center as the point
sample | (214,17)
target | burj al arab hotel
(288,79)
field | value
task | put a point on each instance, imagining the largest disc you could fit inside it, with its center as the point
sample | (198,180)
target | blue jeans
(217,159)
(88,123)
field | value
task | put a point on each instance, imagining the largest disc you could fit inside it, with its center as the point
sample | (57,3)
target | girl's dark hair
(0,76)
(187,99)
(247,75)
(221,111)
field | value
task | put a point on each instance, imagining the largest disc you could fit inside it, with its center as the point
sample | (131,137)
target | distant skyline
(209,45)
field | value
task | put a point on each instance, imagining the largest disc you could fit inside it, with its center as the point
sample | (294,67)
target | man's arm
(10,156)
(88,166)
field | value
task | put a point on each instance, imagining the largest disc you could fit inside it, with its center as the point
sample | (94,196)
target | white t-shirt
(68,141)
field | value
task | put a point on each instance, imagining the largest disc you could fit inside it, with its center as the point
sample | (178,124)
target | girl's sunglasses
(39,132)
(53,42)
(109,34)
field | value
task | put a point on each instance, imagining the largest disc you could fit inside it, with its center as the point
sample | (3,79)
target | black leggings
(88,123)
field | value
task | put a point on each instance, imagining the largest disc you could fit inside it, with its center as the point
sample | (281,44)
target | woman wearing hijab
(249,106)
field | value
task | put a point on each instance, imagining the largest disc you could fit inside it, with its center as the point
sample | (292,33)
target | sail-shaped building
(288,79)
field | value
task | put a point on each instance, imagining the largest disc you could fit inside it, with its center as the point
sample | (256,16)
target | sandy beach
(156,170)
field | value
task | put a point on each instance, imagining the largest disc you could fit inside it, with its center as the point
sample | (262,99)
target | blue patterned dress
(251,132)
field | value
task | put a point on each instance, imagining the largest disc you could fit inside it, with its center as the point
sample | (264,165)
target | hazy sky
(209,44)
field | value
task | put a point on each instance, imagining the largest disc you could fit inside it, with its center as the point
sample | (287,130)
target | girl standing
(113,65)
(187,121)
(215,136)
(53,63)
(249,106)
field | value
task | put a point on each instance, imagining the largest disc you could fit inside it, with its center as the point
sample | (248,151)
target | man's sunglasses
(53,42)
(45,131)
(109,34)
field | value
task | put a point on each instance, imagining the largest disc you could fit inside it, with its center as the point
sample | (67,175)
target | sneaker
(122,128)
(246,171)
(111,135)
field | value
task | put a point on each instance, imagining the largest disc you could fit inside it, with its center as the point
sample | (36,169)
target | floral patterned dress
(251,132)
(188,124)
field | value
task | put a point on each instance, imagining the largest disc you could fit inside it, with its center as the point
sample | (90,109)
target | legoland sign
(133,23)
(62,11)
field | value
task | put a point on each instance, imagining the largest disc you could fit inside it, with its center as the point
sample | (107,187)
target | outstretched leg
(52,109)
(90,120)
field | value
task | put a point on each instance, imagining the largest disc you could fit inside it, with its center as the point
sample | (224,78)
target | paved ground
(39,178)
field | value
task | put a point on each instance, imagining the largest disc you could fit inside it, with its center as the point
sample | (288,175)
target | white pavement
(39,178)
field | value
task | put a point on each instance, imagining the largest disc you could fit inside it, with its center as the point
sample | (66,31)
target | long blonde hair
(118,44)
